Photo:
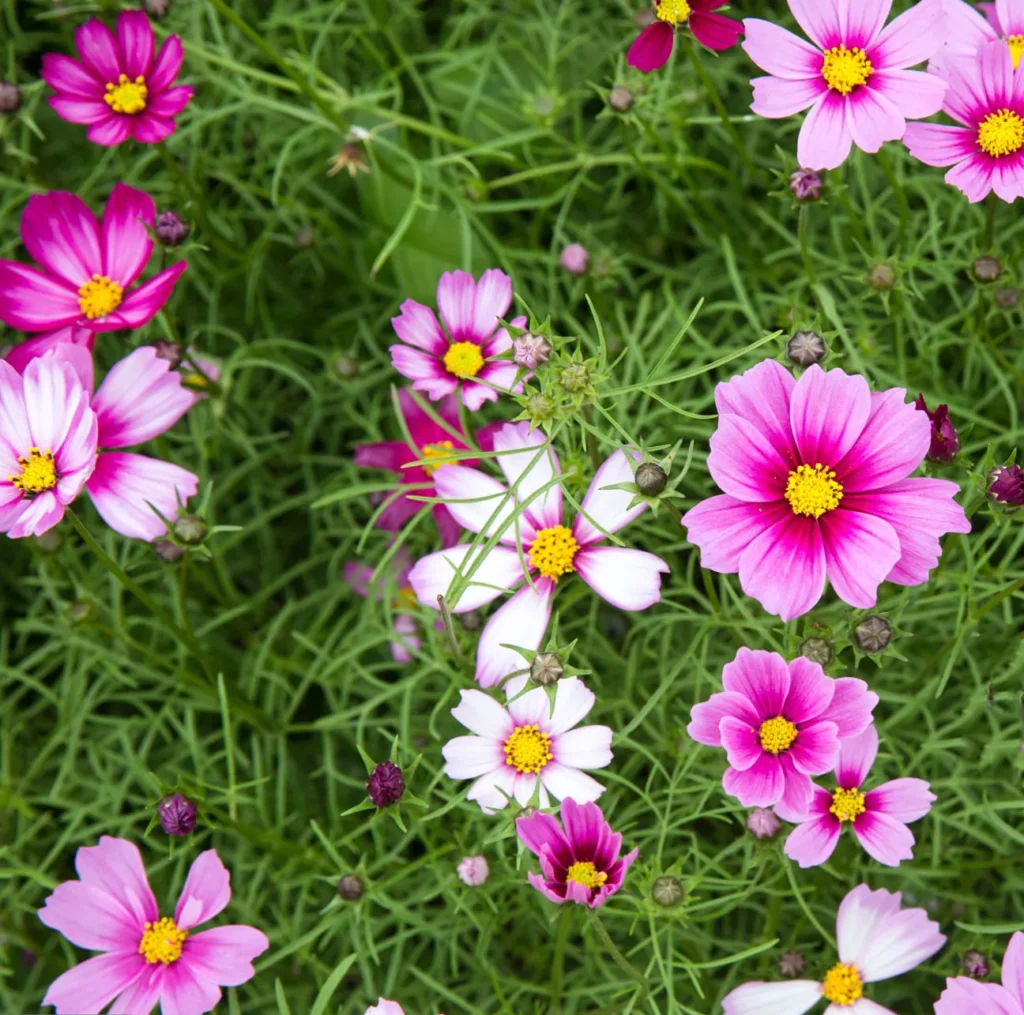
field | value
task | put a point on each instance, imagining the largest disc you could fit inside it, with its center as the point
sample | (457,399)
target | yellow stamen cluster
(583,872)
(99,296)
(162,942)
(674,12)
(553,551)
(777,735)
(1016,44)
(528,750)
(1001,133)
(38,473)
(463,359)
(813,491)
(436,453)
(127,96)
(843,985)
(847,804)
(405,600)
(844,69)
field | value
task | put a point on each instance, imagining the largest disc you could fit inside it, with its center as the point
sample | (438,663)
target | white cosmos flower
(629,579)
(514,747)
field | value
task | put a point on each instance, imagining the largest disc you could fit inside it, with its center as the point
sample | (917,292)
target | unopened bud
(546,668)
(10,97)
(575,259)
(650,479)
(170,230)
(805,185)
(177,815)
(945,442)
(473,870)
(574,378)
(818,650)
(873,634)
(1007,297)
(975,964)
(156,8)
(539,406)
(667,891)
(350,887)
(792,963)
(881,277)
(986,269)
(1006,485)
(762,823)
(529,351)
(386,784)
(169,351)
(620,99)
(168,552)
(190,529)
(806,348)
(345,368)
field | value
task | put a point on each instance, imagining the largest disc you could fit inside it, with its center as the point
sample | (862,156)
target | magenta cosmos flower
(515,748)
(878,818)
(876,940)
(147,958)
(815,479)
(19,356)
(529,515)
(964,996)
(462,357)
(88,266)
(117,87)
(581,864)
(854,77)
(985,96)
(653,46)
(969,28)
(780,724)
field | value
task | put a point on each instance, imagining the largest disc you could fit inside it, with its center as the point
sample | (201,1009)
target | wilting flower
(878,818)
(405,640)
(147,959)
(514,748)
(969,28)
(118,88)
(653,45)
(530,516)
(779,724)
(473,870)
(815,479)
(88,267)
(581,864)
(986,96)
(463,355)
(854,77)
(1006,485)
(876,941)
(963,995)
(945,441)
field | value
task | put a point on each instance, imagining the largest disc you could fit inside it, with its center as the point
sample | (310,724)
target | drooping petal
(529,467)
(856,756)
(761,785)
(629,579)
(915,36)
(760,677)
(135,40)
(521,621)
(480,503)
(860,550)
(744,464)
(482,715)
(905,800)
(416,325)
(652,47)
(706,716)
(873,119)
(792,997)
(824,141)
(605,511)
(812,842)
(206,892)
(86,989)
(884,838)
(125,236)
(32,301)
(144,302)
(115,866)
(723,527)
(489,574)
(60,233)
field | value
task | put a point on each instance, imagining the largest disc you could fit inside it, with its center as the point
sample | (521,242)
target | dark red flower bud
(350,887)
(386,784)
(945,442)
(792,963)
(1006,485)
(10,97)
(805,185)
(177,815)
(170,230)
(975,964)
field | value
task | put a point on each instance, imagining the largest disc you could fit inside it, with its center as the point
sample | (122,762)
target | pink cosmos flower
(530,515)
(385,1007)
(581,864)
(515,748)
(118,88)
(147,959)
(653,46)
(877,940)
(969,28)
(964,996)
(89,267)
(780,724)
(21,354)
(462,356)
(815,479)
(405,640)
(986,96)
(878,818)
(854,77)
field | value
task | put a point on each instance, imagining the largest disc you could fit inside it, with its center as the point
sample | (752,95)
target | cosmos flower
(146,958)
(19,355)
(964,995)
(385,1007)
(117,87)
(854,77)
(968,28)
(815,474)
(653,46)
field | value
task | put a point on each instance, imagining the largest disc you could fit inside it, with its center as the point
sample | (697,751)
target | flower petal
(69,77)
(828,412)
(715,31)
(141,995)
(565,783)
(143,303)
(816,749)
(780,998)
(206,892)
(126,241)
(851,707)
(471,757)
(606,511)
(115,866)
(819,20)
(457,298)
(856,756)
(1013,967)
(521,621)
(873,119)
(586,747)
(860,550)
(723,527)
(33,301)
(740,740)
(760,677)
(652,47)
(744,463)
(884,838)
(166,66)
(913,37)
(135,40)
(482,715)
(938,144)
(812,842)
(783,55)
(416,325)
(98,50)
(184,993)
(481,504)
(776,98)
(761,785)
(112,132)
(905,800)
(91,918)
(86,989)
(810,691)
(912,92)
(60,233)
(860,21)
(706,716)
(964,996)
(629,579)
(528,467)
(87,111)
(825,139)
(148,128)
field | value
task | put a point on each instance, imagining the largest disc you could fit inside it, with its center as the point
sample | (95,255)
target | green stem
(620,960)
(805,248)
(990,221)
(595,455)
(558,964)
(901,197)
(449,628)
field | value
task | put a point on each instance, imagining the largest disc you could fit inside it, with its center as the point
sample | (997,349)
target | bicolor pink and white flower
(528,515)
(581,864)
(876,940)
(964,996)
(117,86)
(653,46)
(815,474)
(878,817)
(968,28)
(393,584)
(147,959)
(464,355)
(780,724)
(88,267)
(528,746)
(20,354)
(855,76)
(986,97)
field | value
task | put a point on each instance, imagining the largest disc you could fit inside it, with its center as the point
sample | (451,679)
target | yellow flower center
(843,985)
(162,942)
(813,491)
(1016,44)
(127,96)
(675,12)
(777,734)
(436,455)
(844,69)
(528,749)
(847,804)
(38,472)
(1001,133)
(405,600)
(463,359)
(583,872)
(553,551)
(99,297)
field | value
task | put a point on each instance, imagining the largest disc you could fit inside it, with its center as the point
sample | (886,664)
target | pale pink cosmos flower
(463,356)
(530,515)
(854,77)
(878,817)
(118,87)
(964,996)
(779,724)
(815,474)
(147,959)
(876,940)
(89,267)
(581,864)
(653,46)
(968,28)
(385,1007)
(528,742)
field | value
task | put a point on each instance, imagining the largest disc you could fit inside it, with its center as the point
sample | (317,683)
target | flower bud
(650,478)
(805,185)
(169,351)
(986,269)
(667,891)
(156,9)
(539,406)
(792,963)
(170,230)
(873,634)
(1006,485)
(818,650)
(945,441)
(10,97)
(1007,297)
(806,348)
(305,237)
(190,529)
(530,351)
(28,957)
(620,99)
(352,158)
(546,668)
(345,368)
(574,378)
(473,870)
(881,277)
(350,887)
(763,823)
(575,259)
(168,552)
(975,964)
(386,784)
(177,815)
(80,613)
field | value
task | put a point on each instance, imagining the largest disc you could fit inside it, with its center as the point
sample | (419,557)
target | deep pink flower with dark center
(964,996)
(118,88)
(945,440)
(653,46)
(581,864)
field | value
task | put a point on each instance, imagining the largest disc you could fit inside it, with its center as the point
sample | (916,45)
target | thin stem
(558,963)
(990,221)
(620,960)
(595,455)
(449,628)
(901,197)
(805,248)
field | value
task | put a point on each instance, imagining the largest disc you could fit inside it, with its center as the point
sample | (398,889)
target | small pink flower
(89,267)
(876,940)
(473,870)
(762,823)
(854,77)
(575,259)
(147,959)
(385,1007)
(463,356)
(779,724)
(878,818)
(118,88)
(581,864)
(394,584)
(964,995)
(653,46)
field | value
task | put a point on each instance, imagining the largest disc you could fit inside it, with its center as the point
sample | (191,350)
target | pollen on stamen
(673,12)
(127,96)
(553,552)
(845,69)
(38,472)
